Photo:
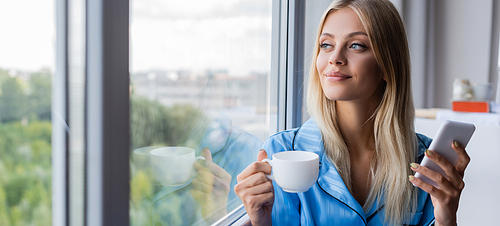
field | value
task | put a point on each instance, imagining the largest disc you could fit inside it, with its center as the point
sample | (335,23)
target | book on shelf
(470,106)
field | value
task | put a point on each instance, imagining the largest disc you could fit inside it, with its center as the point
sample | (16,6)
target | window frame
(59,119)
(287,59)
(107,117)
(106,191)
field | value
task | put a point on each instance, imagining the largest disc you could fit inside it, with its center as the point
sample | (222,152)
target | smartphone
(441,144)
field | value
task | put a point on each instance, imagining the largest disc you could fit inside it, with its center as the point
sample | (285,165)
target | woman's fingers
(205,176)
(252,181)
(253,185)
(262,155)
(261,199)
(213,169)
(216,185)
(219,171)
(435,192)
(443,182)
(198,195)
(255,191)
(258,189)
(463,158)
(202,186)
(452,174)
(254,168)
(450,185)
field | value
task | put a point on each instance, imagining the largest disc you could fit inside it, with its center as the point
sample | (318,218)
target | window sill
(237,217)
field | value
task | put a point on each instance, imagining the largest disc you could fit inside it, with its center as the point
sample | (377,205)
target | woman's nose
(337,58)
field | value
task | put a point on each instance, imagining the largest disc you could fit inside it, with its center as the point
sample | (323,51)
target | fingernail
(455,143)
(414,165)
(411,177)
(261,149)
(429,152)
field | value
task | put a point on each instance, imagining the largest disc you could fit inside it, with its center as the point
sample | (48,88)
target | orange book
(470,106)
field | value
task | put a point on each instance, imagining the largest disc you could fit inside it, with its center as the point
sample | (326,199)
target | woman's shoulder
(423,140)
(308,127)
(287,140)
(280,141)
(423,143)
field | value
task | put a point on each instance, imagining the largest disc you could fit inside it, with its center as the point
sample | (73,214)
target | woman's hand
(256,191)
(211,187)
(446,198)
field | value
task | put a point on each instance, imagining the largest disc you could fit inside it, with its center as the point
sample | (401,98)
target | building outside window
(199,79)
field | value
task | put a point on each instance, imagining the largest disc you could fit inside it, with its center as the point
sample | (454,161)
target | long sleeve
(286,208)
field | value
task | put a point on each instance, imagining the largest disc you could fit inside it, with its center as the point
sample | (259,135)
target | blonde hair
(395,139)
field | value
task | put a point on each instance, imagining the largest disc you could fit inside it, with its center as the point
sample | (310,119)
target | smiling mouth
(336,76)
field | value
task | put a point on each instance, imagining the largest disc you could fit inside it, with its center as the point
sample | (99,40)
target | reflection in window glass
(199,105)
(26,67)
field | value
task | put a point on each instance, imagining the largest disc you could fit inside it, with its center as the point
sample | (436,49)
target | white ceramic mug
(483,91)
(141,160)
(294,171)
(173,166)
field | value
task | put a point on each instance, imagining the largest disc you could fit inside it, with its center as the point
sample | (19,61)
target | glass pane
(314,11)
(199,85)
(26,68)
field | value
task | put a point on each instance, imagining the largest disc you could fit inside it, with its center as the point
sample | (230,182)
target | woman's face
(346,65)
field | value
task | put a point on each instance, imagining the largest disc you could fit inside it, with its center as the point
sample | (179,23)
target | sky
(27,34)
(191,35)
(200,35)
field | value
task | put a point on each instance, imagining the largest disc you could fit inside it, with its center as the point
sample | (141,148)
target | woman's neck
(356,122)
(356,125)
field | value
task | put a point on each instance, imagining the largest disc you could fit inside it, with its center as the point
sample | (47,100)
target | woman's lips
(335,76)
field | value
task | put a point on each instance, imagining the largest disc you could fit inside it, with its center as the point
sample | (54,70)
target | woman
(362,128)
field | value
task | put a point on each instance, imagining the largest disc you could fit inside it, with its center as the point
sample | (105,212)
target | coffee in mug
(173,166)
(294,171)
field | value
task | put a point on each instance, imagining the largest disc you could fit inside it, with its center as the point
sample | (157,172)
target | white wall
(462,47)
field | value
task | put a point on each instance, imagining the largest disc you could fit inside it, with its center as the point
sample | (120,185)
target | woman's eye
(325,46)
(357,46)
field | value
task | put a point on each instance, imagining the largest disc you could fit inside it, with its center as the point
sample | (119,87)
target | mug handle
(199,158)
(271,164)
(193,174)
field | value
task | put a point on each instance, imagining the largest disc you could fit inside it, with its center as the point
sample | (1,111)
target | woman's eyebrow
(327,35)
(350,35)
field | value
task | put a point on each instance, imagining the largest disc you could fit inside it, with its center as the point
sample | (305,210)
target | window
(199,84)
(26,70)
(134,78)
